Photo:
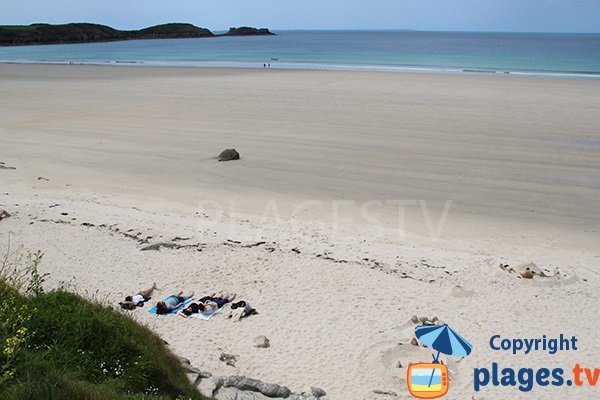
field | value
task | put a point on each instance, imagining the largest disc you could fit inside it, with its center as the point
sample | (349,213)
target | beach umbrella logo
(430,380)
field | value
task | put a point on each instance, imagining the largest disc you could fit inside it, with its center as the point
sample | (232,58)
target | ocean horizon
(550,54)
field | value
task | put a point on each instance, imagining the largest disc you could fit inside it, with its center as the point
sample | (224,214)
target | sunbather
(131,302)
(171,303)
(208,305)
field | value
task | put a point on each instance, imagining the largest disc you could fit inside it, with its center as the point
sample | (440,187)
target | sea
(571,55)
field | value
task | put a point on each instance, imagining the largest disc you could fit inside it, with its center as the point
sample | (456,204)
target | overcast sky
(463,15)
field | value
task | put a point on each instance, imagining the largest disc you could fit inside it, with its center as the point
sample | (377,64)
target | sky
(438,15)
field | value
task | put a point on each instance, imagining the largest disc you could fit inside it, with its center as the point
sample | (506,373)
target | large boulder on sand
(228,155)
(262,342)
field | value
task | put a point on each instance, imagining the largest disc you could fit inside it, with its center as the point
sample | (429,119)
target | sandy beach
(361,199)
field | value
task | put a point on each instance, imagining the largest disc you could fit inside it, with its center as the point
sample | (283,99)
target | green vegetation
(174,31)
(247,31)
(58,345)
(17,35)
(68,33)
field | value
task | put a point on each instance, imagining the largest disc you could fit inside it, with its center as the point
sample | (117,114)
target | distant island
(34,34)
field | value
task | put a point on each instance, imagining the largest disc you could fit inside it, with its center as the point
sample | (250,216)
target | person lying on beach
(138,300)
(208,305)
(163,307)
(240,310)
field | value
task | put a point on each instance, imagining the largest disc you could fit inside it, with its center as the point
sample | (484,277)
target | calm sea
(520,53)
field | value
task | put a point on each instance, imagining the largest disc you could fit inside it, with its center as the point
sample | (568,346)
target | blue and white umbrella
(443,339)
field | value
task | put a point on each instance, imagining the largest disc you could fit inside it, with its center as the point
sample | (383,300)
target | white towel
(206,317)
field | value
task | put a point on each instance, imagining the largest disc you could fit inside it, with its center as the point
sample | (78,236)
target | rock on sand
(229,154)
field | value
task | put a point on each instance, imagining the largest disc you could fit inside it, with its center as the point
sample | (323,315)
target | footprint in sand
(460,291)
(389,356)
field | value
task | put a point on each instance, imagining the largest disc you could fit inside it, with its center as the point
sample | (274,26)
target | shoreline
(402,69)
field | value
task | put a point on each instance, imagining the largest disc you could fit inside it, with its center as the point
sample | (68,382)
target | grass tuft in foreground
(58,345)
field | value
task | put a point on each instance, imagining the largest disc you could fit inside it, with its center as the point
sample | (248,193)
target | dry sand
(401,193)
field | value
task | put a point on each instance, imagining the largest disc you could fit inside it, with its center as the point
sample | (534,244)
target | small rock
(229,155)
(4,214)
(414,341)
(317,392)
(273,390)
(190,369)
(228,359)
(205,374)
(301,396)
(207,387)
(196,379)
(385,392)
(424,320)
(157,246)
(262,342)
(193,378)
(226,356)
(219,381)
(399,364)
(183,360)
(415,319)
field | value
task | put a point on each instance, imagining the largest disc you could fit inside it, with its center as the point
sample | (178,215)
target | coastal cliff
(35,34)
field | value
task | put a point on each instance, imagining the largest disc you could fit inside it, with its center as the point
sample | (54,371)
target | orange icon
(427,380)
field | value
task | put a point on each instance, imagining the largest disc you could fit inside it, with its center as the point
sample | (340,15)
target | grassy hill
(58,345)
(82,33)
(173,31)
(18,35)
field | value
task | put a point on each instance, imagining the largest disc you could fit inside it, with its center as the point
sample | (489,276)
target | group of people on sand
(206,306)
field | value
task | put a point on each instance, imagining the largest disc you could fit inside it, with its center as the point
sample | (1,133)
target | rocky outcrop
(247,31)
(255,385)
(236,387)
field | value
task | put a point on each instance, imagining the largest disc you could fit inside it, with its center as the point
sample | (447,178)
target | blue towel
(174,311)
